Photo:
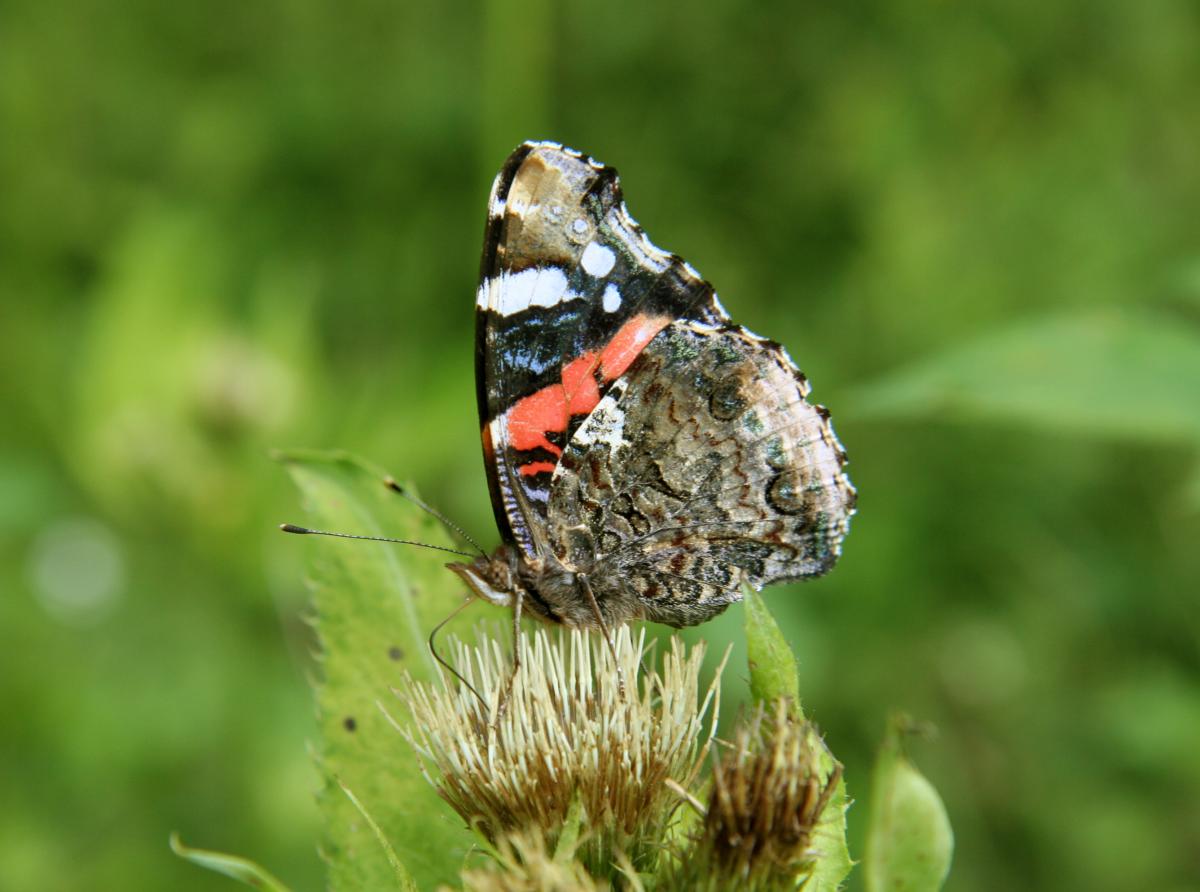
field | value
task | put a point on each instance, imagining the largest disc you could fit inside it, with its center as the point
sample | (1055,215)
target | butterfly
(646,457)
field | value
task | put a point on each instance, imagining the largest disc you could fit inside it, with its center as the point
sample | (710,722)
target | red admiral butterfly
(645,456)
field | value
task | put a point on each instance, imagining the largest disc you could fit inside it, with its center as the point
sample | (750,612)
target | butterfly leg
(447,666)
(518,600)
(604,630)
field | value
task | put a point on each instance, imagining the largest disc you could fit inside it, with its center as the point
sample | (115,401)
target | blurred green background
(227,227)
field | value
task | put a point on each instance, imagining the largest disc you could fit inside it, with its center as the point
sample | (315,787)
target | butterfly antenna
(305,531)
(433,650)
(390,483)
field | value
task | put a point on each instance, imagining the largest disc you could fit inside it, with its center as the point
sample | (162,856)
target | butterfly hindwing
(703,468)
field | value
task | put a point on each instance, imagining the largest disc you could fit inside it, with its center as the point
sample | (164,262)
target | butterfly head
(490,578)
(546,589)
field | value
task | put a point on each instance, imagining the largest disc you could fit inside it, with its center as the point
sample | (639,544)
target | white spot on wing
(580,226)
(605,425)
(610,423)
(481,296)
(598,260)
(612,298)
(538,287)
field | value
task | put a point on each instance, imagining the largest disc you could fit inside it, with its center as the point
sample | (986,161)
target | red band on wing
(630,339)
(579,384)
(535,416)
(549,410)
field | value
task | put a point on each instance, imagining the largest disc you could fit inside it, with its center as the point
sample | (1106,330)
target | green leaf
(398,868)
(1113,373)
(375,605)
(773,676)
(909,840)
(231,865)
(572,831)
(773,673)
(833,862)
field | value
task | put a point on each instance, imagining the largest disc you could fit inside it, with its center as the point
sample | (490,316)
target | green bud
(909,840)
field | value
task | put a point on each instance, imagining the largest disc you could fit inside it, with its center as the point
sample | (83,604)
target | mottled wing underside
(570,293)
(702,468)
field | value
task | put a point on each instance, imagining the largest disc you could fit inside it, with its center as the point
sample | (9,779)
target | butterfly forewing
(570,293)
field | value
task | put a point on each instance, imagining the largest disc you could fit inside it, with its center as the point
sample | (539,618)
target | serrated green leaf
(1112,373)
(375,604)
(833,862)
(238,868)
(773,673)
(909,840)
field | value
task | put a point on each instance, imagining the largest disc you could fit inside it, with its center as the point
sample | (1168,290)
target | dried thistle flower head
(568,732)
(769,795)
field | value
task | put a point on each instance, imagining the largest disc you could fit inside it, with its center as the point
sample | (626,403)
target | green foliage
(773,679)
(909,840)
(374,606)
(1132,375)
(231,865)
(772,664)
